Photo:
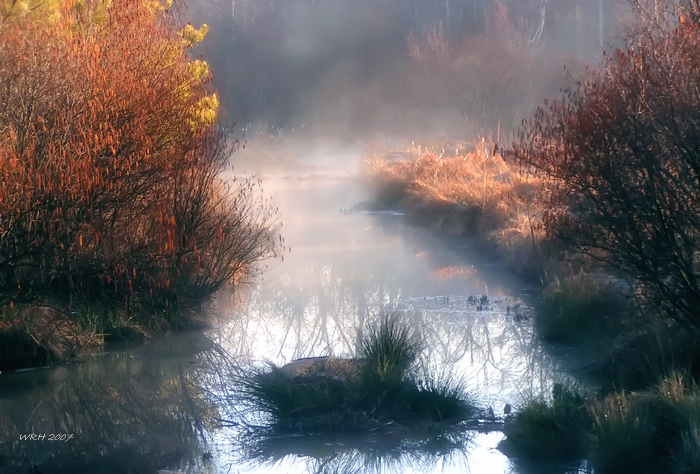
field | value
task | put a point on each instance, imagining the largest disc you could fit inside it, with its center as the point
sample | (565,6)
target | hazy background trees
(349,68)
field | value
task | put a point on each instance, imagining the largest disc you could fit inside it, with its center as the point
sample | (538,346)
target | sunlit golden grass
(480,177)
(467,190)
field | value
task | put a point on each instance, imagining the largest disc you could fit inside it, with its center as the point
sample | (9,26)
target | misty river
(164,406)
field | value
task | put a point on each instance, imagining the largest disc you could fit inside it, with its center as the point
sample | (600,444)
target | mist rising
(421,70)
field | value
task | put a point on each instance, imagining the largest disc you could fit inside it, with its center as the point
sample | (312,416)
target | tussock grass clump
(388,350)
(650,431)
(577,309)
(442,397)
(550,429)
(622,432)
(289,397)
(379,388)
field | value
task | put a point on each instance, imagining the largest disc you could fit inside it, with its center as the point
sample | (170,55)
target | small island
(383,387)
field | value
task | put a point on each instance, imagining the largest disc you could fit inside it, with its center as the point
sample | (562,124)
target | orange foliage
(108,185)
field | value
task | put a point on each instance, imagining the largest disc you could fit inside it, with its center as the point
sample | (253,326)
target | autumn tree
(621,153)
(110,156)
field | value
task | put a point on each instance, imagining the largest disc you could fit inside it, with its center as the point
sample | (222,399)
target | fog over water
(346,268)
(315,86)
(312,88)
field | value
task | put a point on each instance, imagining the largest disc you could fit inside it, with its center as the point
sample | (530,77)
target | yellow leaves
(198,70)
(205,113)
(99,162)
(88,13)
(79,6)
(155,6)
(191,35)
(46,10)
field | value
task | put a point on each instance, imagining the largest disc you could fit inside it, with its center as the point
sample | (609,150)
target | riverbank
(35,335)
(470,190)
(645,365)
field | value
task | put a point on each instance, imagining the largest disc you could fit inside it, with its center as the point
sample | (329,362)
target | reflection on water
(349,267)
(172,404)
(376,453)
(124,411)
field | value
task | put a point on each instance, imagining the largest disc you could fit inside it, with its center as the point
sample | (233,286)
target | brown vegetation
(621,158)
(468,192)
(110,191)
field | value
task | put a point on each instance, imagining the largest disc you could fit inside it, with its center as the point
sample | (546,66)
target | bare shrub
(621,156)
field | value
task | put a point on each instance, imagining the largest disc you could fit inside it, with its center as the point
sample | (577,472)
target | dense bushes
(110,189)
(621,159)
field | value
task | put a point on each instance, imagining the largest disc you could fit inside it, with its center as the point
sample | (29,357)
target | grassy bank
(472,191)
(655,430)
(380,388)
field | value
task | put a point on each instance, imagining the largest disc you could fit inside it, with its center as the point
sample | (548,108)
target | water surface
(168,405)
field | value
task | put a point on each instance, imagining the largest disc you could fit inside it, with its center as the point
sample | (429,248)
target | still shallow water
(154,407)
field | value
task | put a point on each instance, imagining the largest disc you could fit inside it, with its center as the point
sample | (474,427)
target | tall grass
(689,456)
(470,191)
(389,350)
(479,178)
(644,432)
(319,400)
(577,309)
(622,434)
(442,396)
(651,431)
(552,429)
(378,388)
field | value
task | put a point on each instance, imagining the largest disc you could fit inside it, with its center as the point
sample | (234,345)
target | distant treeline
(350,67)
